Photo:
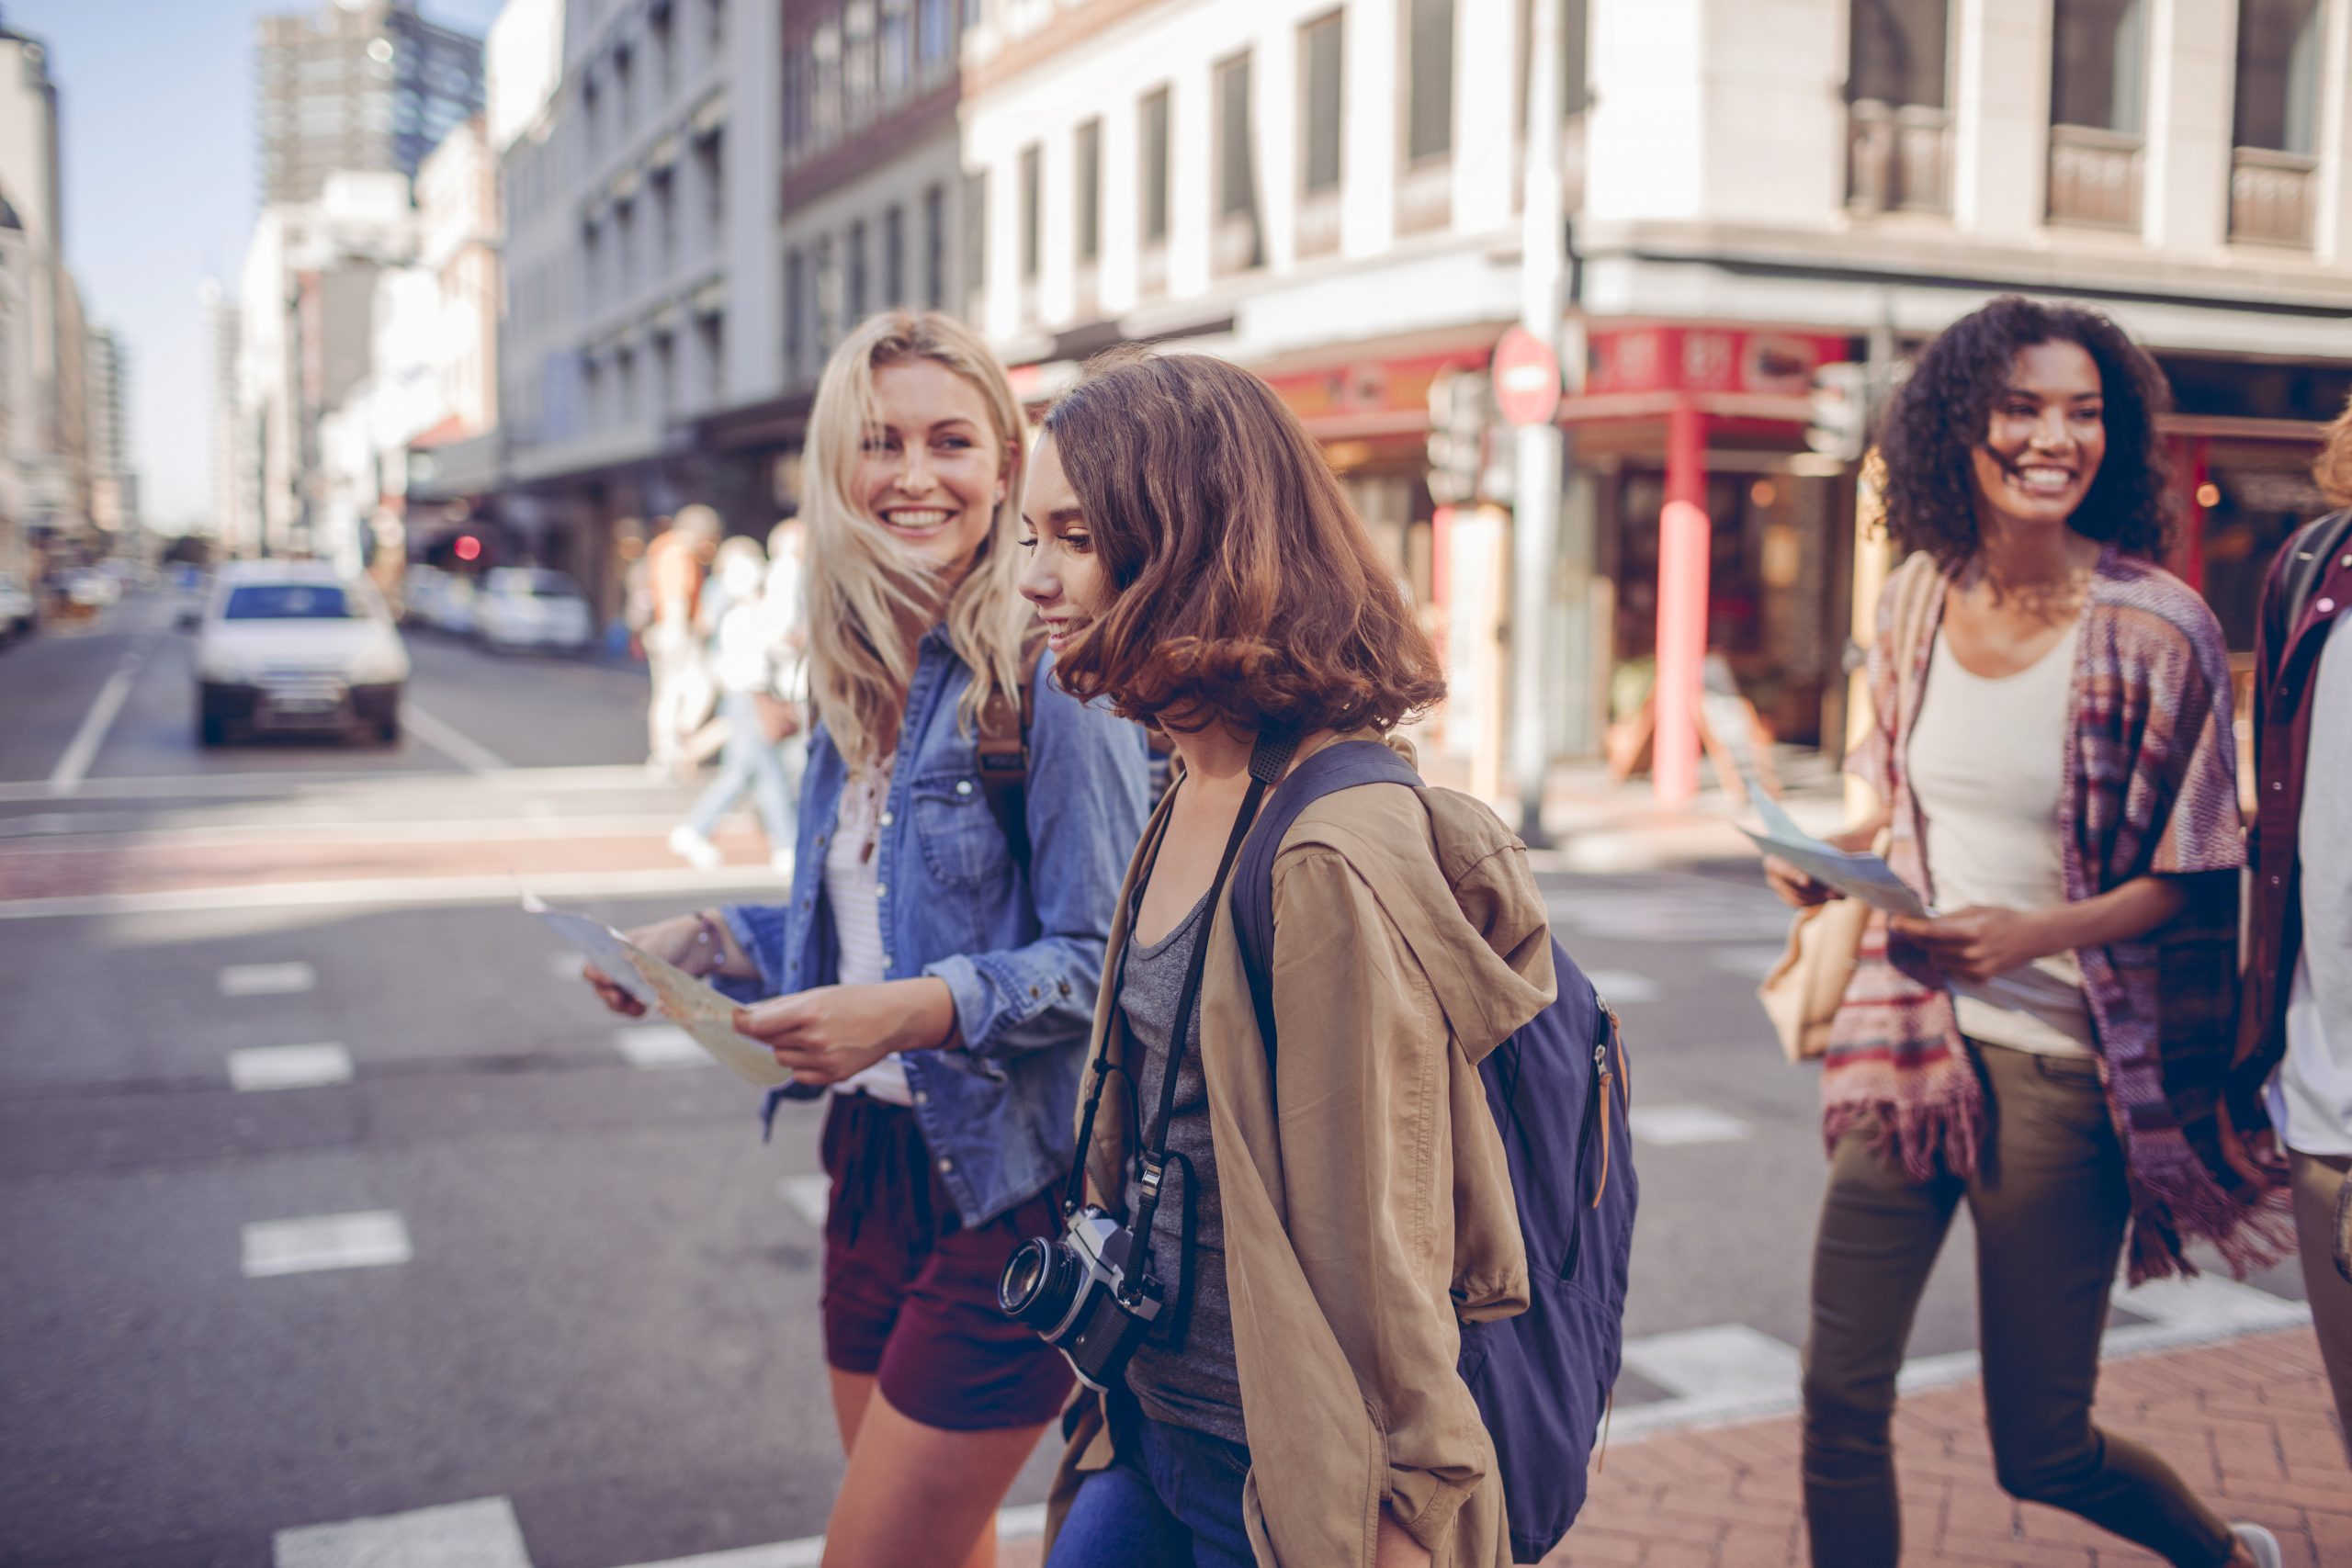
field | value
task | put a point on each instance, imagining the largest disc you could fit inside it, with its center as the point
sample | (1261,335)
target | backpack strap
(1003,747)
(1336,767)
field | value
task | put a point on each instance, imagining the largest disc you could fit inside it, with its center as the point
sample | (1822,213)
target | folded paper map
(693,1006)
(1864,876)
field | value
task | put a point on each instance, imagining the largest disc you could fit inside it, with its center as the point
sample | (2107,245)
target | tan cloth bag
(1803,993)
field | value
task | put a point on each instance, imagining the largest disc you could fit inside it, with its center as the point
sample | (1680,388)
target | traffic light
(1842,412)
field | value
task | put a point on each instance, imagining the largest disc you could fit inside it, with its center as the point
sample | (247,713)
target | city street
(331,1195)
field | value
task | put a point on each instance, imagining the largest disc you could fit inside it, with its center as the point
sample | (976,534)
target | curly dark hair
(1944,411)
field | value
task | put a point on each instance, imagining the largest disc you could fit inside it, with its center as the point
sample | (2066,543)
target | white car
(294,646)
(19,614)
(522,606)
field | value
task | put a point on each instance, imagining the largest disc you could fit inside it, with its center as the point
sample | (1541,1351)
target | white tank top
(1987,764)
(857,917)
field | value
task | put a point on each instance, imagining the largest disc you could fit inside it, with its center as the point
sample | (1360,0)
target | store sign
(1368,386)
(1707,359)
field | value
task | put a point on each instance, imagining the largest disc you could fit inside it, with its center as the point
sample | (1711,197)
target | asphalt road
(585,1287)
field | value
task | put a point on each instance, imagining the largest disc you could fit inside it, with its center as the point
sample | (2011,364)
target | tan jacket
(1373,1212)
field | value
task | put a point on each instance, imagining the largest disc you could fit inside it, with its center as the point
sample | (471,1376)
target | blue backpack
(1558,1092)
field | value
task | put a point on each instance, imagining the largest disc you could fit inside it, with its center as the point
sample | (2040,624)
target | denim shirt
(1022,953)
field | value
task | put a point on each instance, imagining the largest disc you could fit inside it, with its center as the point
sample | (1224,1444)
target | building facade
(114,485)
(1331,192)
(48,439)
(357,85)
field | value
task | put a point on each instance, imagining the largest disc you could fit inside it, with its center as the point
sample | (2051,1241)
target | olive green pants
(2317,1180)
(2048,1205)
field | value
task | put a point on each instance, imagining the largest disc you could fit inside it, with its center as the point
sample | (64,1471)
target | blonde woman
(938,980)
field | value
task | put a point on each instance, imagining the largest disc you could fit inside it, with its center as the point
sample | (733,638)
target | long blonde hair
(870,597)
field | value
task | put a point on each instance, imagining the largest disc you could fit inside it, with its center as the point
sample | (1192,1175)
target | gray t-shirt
(1183,1373)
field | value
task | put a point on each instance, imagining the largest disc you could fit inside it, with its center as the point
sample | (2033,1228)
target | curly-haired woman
(1333,1217)
(2053,752)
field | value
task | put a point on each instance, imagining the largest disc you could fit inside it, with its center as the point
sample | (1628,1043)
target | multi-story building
(639,168)
(234,481)
(47,441)
(306,324)
(366,84)
(1329,190)
(114,487)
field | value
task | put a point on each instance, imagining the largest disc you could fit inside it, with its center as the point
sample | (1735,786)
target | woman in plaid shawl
(2054,751)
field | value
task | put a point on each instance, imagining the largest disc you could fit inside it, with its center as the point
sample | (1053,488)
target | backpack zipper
(1593,1113)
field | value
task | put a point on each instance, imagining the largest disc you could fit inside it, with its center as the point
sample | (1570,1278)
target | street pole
(1536,517)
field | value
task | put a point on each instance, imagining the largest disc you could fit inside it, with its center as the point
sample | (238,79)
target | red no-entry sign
(1527,378)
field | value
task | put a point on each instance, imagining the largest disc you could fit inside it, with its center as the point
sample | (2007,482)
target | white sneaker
(694,849)
(2260,1543)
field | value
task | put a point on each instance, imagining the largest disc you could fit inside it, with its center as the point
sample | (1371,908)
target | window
(1896,51)
(796,99)
(857,63)
(1237,246)
(1152,141)
(2097,66)
(825,75)
(828,300)
(1320,95)
(897,50)
(2279,50)
(857,306)
(934,247)
(975,235)
(1429,103)
(935,34)
(795,310)
(894,257)
(1032,217)
(1089,191)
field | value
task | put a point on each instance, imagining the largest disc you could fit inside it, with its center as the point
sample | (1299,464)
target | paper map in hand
(1864,876)
(692,1005)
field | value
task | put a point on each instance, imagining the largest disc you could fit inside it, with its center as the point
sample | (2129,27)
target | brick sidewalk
(2248,1424)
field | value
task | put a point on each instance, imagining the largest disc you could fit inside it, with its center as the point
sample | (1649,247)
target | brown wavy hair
(1246,591)
(2333,470)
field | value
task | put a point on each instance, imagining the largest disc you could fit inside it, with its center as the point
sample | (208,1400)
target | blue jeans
(1174,1502)
(772,772)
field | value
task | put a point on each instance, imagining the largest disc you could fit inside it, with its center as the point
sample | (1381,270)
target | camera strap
(1268,760)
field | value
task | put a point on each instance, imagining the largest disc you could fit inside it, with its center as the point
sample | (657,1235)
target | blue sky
(158,141)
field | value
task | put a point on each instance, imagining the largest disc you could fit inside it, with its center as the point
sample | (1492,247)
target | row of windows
(862,62)
(839,280)
(613,268)
(673,374)
(622,81)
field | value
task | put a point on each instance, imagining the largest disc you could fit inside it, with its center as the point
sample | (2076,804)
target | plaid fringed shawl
(2151,787)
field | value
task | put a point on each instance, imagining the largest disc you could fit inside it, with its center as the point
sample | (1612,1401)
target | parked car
(293,646)
(523,606)
(19,612)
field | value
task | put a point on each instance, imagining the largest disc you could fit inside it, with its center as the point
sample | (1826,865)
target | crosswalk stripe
(371,1239)
(1623,986)
(660,1046)
(1667,1126)
(288,1066)
(479,1534)
(268,979)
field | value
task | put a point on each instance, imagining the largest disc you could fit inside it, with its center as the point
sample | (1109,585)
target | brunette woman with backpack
(1333,1215)
(2052,751)
(932,966)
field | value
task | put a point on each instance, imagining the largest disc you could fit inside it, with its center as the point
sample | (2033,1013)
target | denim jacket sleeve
(1085,802)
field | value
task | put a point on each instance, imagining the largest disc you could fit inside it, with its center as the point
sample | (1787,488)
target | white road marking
(582,778)
(1667,1126)
(566,966)
(1623,986)
(370,1239)
(1025,1521)
(660,1046)
(1728,1360)
(82,749)
(394,891)
(268,979)
(468,753)
(288,1066)
(1748,962)
(810,1195)
(2205,1306)
(482,1534)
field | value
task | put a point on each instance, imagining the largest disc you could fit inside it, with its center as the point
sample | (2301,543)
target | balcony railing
(1318,223)
(2095,176)
(2271,196)
(1425,197)
(1151,269)
(1899,157)
(1234,245)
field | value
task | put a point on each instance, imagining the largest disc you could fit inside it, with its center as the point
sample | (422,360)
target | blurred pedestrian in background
(675,563)
(2296,1030)
(2053,749)
(755,662)
(934,970)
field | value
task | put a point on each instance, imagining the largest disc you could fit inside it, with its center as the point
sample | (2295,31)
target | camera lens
(1033,1288)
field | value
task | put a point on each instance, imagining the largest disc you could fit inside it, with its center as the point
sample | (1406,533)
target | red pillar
(1683,547)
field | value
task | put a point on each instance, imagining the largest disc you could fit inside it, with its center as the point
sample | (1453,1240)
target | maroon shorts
(911,1290)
